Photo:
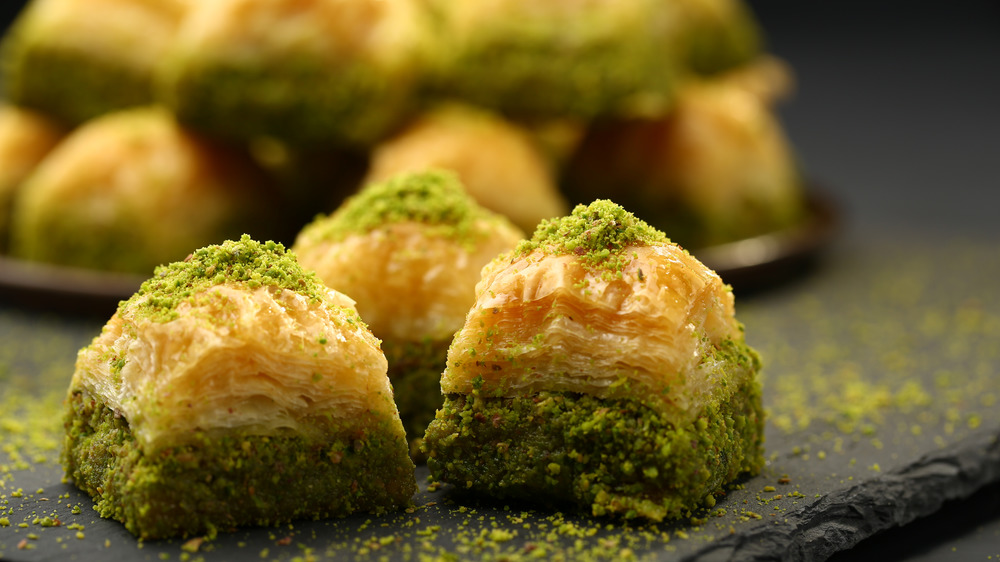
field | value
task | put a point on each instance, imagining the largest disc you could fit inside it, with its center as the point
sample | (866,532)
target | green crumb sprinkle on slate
(598,233)
(433,197)
(245,262)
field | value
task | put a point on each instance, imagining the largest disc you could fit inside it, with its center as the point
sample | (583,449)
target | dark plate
(767,260)
(69,289)
(749,264)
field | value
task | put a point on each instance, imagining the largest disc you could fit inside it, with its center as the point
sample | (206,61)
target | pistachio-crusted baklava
(497,160)
(600,365)
(586,58)
(78,59)
(132,189)
(307,72)
(716,169)
(409,251)
(234,389)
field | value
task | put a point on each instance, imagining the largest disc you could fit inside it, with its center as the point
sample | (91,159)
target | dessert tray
(749,264)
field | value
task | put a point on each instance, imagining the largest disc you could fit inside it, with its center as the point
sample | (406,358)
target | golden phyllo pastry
(409,251)
(133,189)
(497,161)
(234,389)
(601,364)
(717,168)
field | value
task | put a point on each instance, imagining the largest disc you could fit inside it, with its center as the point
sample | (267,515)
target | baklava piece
(131,190)
(78,59)
(307,72)
(717,168)
(26,137)
(586,58)
(561,58)
(601,365)
(409,252)
(234,389)
(497,161)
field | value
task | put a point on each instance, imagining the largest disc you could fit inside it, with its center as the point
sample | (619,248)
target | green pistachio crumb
(246,262)
(434,197)
(599,233)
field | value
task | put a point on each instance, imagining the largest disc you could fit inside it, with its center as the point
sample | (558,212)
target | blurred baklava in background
(663,106)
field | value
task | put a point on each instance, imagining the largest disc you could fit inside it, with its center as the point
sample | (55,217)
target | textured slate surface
(880,383)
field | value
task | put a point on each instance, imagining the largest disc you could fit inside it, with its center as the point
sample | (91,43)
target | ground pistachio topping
(433,197)
(599,233)
(236,477)
(247,262)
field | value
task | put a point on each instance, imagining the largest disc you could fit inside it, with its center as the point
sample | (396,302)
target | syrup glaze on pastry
(603,365)
(409,251)
(234,389)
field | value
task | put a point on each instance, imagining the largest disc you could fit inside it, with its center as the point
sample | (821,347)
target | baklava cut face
(409,251)
(309,72)
(603,305)
(77,59)
(234,389)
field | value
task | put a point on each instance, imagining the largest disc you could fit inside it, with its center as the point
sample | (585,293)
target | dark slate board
(881,384)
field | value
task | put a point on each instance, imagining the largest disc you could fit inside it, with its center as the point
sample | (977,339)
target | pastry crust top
(409,251)
(233,341)
(133,189)
(627,314)
(408,286)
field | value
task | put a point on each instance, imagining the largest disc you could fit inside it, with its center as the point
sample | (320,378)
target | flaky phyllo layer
(602,305)
(226,345)
(409,251)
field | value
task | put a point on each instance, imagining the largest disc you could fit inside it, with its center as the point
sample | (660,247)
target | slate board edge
(841,519)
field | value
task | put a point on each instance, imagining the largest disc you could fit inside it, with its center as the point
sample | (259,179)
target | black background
(898,106)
